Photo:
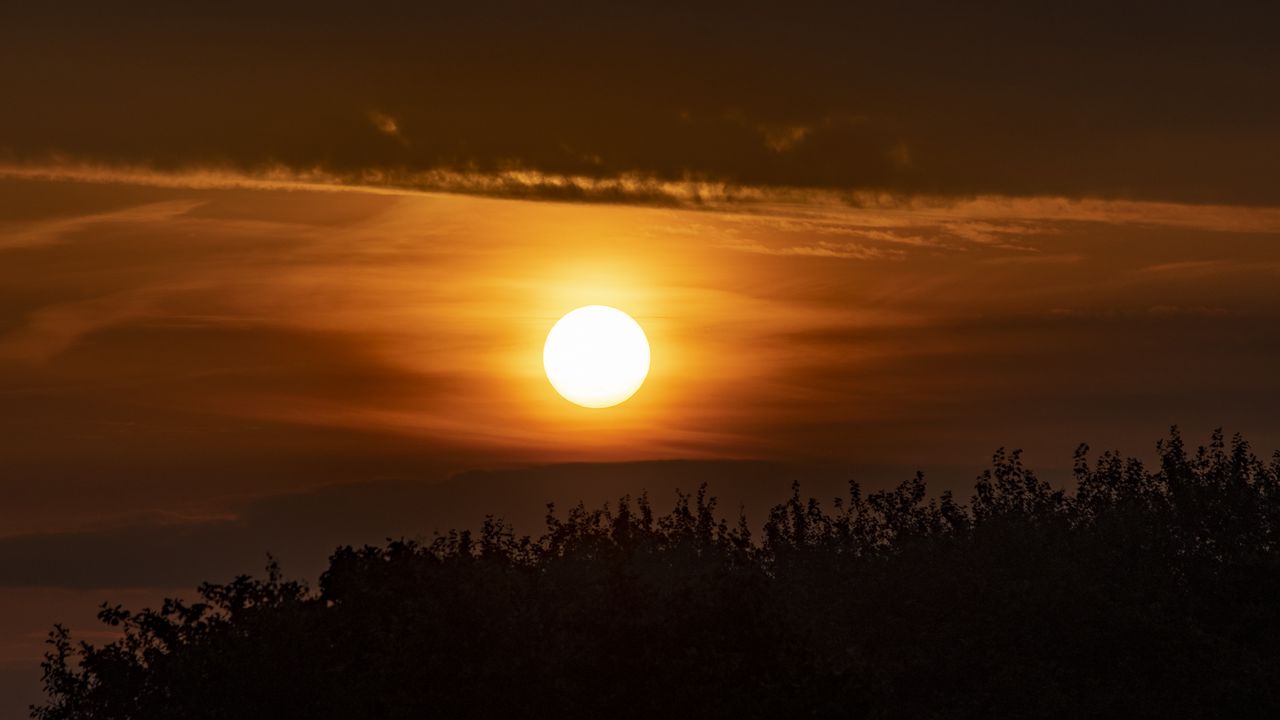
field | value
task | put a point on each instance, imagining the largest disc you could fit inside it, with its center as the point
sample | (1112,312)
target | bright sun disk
(596,356)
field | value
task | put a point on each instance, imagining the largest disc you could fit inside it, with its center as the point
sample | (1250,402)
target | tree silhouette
(1142,593)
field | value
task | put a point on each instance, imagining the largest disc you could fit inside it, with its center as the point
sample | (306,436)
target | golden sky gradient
(173,342)
(198,366)
(273,274)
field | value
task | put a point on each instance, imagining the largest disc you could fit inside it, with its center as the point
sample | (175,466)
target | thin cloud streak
(980,219)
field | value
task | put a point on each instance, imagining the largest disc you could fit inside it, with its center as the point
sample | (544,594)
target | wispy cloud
(32,234)
(982,219)
(825,249)
(54,328)
(782,138)
(1191,269)
(387,125)
(1035,259)
(1188,267)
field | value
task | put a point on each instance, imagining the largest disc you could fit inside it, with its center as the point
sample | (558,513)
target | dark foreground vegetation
(1143,593)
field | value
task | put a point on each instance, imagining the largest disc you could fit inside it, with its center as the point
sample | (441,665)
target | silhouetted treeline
(1145,592)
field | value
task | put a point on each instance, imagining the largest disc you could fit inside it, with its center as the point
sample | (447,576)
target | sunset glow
(280,279)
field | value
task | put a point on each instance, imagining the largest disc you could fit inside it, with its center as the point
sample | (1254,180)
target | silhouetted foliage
(1143,593)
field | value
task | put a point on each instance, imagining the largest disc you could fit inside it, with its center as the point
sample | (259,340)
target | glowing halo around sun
(596,356)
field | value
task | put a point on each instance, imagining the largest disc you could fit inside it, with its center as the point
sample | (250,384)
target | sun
(596,356)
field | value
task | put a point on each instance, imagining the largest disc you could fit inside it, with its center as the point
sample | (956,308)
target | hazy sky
(271,278)
(189,345)
(198,368)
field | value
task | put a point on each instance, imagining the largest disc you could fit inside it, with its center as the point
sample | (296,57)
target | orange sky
(272,274)
(200,367)
(172,346)
(196,367)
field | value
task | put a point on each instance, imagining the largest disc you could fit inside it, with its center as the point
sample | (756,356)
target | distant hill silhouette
(1144,593)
